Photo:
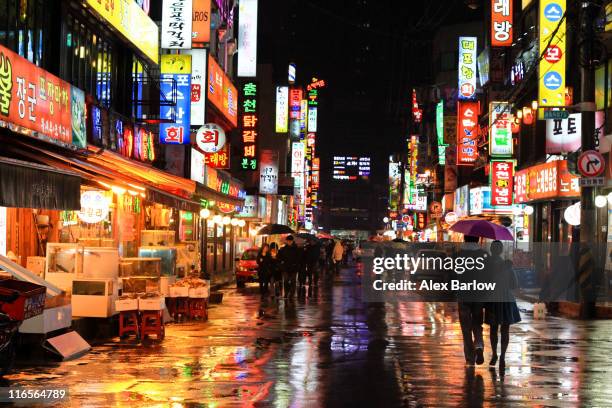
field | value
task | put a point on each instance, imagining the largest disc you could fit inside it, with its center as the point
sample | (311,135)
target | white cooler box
(93,297)
(126,305)
(201,292)
(178,291)
(154,303)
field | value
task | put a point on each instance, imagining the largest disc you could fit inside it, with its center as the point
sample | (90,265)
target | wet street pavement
(333,350)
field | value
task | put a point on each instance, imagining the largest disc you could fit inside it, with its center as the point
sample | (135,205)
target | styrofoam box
(124,305)
(179,291)
(156,303)
(202,292)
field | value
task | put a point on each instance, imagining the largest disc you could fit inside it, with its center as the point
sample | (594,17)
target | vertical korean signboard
(250,127)
(467,132)
(501,23)
(440,132)
(500,127)
(34,99)
(247,38)
(551,85)
(282,109)
(467,67)
(502,176)
(268,172)
(297,172)
(178,68)
(176,24)
(198,86)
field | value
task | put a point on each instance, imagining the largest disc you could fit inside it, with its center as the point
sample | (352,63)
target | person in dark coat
(503,311)
(275,271)
(291,262)
(263,270)
(470,309)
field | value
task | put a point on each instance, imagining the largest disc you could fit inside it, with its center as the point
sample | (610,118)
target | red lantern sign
(467,132)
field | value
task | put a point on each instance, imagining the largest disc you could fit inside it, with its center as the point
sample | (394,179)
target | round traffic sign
(591,163)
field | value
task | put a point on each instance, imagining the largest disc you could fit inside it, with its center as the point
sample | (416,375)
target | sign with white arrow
(591,163)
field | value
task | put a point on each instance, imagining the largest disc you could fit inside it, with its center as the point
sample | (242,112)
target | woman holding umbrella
(503,311)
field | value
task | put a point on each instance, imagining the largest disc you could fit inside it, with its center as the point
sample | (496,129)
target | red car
(246,267)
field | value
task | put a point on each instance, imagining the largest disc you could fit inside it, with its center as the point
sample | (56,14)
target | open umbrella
(273,229)
(308,237)
(482,228)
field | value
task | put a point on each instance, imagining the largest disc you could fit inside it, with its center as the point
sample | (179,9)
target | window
(87,60)
(21,27)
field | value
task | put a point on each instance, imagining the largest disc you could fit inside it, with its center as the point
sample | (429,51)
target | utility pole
(587,58)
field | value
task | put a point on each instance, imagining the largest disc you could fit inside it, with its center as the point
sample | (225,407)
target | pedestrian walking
(337,256)
(290,260)
(263,270)
(470,311)
(503,311)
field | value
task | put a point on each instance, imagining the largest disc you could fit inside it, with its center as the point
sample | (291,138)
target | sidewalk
(603,310)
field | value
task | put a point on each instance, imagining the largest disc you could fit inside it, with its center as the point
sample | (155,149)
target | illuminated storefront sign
(282,109)
(297,159)
(351,168)
(176,24)
(500,127)
(502,178)
(395,179)
(295,103)
(177,67)
(198,86)
(467,132)
(94,206)
(440,132)
(221,92)
(131,21)
(417,114)
(219,159)
(312,119)
(249,208)
(249,126)
(303,115)
(543,181)
(198,166)
(467,67)
(35,100)
(501,23)
(551,86)
(210,138)
(144,145)
(200,23)
(462,200)
(247,38)
(564,135)
(268,172)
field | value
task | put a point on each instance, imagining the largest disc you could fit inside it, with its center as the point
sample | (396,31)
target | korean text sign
(36,100)
(467,67)
(551,86)
(268,172)
(564,135)
(247,38)
(547,180)
(282,109)
(221,92)
(131,21)
(502,176)
(501,23)
(178,68)
(249,126)
(500,125)
(176,24)
(467,132)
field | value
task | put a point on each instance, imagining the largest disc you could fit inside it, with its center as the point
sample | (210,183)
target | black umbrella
(273,229)
(308,237)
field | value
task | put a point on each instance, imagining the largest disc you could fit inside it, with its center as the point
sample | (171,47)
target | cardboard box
(152,303)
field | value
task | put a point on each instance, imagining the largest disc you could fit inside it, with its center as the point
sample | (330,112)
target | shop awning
(30,185)
(208,193)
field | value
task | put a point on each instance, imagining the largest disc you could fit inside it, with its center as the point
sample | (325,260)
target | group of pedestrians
(289,269)
(499,311)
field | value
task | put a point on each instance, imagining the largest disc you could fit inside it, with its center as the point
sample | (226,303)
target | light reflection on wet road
(333,350)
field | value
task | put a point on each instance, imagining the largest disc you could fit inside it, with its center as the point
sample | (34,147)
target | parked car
(246,267)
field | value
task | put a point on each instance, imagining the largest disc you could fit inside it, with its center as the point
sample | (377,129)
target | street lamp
(528,210)
(204,213)
(241,223)
(226,220)
(601,201)
(234,222)
(386,220)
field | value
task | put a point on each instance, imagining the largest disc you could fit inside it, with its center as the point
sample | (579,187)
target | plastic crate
(31,300)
